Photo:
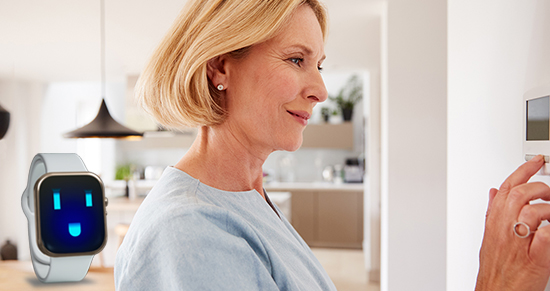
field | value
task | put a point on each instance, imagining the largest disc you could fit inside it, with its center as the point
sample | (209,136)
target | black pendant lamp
(103,125)
(4,121)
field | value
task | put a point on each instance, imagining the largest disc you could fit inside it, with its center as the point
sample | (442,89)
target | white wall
(414,146)
(23,100)
(497,51)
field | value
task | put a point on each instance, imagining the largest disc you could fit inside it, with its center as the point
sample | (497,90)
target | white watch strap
(52,269)
(63,269)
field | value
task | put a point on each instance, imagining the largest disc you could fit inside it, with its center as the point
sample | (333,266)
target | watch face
(70,213)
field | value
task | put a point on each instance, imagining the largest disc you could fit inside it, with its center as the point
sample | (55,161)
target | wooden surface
(19,275)
(303,207)
(346,269)
(340,220)
(328,218)
(329,136)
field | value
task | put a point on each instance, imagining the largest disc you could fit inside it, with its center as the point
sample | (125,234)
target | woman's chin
(293,145)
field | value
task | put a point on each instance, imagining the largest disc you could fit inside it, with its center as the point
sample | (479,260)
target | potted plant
(325,111)
(348,96)
(335,116)
(124,172)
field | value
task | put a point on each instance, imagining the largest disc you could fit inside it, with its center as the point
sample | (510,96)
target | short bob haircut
(174,87)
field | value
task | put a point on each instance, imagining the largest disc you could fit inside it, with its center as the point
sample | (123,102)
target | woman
(247,73)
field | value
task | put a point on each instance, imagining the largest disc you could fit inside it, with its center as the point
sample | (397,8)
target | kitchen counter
(19,275)
(314,186)
(143,186)
(125,204)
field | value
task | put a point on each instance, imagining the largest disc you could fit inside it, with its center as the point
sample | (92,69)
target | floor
(346,269)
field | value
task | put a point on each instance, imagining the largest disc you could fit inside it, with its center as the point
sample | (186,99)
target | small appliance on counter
(328,174)
(353,171)
(338,174)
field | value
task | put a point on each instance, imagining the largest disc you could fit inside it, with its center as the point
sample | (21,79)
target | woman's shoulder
(178,204)
(174,193)
(173,182)
(174,197)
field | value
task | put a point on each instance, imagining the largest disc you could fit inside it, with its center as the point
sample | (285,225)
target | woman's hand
(507,261)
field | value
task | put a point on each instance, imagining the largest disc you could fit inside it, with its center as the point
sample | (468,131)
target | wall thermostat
(536,138)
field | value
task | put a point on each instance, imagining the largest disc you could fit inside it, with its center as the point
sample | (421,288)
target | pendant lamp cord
(103,71)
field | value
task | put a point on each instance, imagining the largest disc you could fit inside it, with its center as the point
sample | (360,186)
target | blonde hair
(174,86)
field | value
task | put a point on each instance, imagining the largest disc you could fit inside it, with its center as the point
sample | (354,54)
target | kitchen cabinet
(339,220)
(328,218)
(329,136)
(303,209)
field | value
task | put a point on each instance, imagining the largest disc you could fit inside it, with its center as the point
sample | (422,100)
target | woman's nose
(318,92)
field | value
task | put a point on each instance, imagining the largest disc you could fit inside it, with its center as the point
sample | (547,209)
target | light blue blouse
(189,236)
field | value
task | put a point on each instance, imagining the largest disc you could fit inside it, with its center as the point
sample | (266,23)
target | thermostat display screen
(538,119)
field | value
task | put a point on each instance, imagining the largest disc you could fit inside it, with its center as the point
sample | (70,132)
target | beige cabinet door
(340,219)
(303,209)
(328,219)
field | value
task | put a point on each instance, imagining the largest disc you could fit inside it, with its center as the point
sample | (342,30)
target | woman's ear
(215,69)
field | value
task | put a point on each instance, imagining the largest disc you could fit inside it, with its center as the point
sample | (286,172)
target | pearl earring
(220,87)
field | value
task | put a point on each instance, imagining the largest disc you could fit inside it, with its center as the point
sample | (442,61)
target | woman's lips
(300,116)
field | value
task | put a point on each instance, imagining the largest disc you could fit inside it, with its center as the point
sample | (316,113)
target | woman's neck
(218,158)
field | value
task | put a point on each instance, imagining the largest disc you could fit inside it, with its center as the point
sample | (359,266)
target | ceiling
(59,40)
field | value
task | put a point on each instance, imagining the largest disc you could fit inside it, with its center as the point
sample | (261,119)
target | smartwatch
(65,207)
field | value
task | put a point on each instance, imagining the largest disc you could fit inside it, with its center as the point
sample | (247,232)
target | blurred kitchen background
(50,82)
(440,123)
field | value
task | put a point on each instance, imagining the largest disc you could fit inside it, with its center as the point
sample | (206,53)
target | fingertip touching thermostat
(536,138)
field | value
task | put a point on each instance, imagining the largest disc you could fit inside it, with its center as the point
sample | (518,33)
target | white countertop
(127,204)
(316,186)
(273,186)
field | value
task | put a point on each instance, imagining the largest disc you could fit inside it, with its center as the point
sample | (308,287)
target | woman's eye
(297,61)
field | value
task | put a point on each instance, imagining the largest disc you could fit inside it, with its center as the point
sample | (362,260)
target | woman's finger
(522,174)
(539,251)
(521,195)
(533,215)
(492,193)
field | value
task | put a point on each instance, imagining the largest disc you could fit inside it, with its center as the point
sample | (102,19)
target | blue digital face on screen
(71,214)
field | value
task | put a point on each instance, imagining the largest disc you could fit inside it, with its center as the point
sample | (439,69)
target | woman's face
(271,92)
